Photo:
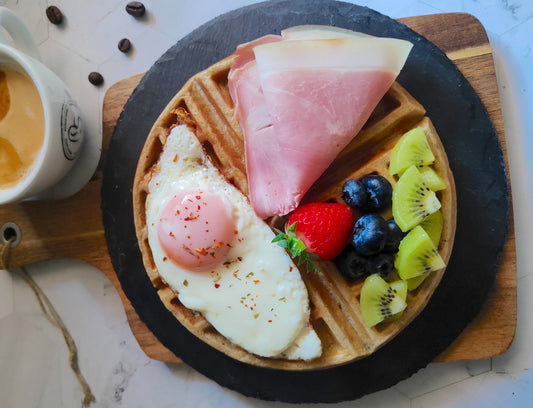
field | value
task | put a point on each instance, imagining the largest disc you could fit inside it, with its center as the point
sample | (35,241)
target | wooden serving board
(72,228)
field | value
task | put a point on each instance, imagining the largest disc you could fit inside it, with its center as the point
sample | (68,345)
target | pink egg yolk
(196,229)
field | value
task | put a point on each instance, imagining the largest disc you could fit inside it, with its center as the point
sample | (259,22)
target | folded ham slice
(301,101)
(259,139)
(244,60)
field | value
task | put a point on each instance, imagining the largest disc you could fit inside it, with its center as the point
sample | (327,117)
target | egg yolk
(196,229)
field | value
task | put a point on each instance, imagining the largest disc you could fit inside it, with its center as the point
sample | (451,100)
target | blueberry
(379,191)
(381,263)
(352,265)
(354,194)
(394,237)
(369,234)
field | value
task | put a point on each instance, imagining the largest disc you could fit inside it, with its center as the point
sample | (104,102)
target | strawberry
(317,231)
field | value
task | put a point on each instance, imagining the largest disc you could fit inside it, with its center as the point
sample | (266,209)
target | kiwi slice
(415,282)
(400,287)
(432,179)
(379,301)
(432,224)
(411,149)
(411,284)
(412,200)
(417,255)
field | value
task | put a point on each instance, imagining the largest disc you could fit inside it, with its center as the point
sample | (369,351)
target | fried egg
(214,251)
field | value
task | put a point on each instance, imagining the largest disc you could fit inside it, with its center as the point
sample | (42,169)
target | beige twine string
(53,317)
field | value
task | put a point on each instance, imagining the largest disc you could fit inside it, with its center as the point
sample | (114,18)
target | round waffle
(204,104)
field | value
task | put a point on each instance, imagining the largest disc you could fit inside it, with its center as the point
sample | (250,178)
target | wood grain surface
(72,228)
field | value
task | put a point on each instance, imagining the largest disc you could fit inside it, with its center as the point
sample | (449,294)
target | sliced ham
(259,139)
(301,101)
(244,54)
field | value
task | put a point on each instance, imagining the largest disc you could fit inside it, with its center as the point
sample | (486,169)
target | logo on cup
(71,130)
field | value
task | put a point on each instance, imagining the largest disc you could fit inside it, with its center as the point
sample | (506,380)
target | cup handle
(19,32)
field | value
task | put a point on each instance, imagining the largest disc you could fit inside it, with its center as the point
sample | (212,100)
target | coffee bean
(124,45)
(54,15)
(135,8)
(96,78)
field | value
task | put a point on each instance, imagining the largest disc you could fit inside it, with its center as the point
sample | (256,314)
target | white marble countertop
(34,370)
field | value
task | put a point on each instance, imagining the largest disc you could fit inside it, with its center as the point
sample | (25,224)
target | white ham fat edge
(318,32)
(354,54)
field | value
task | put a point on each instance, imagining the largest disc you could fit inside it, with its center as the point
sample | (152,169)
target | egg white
(257,300)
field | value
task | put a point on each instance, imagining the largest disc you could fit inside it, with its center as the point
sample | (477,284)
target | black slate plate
(475,158)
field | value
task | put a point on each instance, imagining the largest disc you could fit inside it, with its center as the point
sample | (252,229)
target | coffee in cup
(41,133)
(21,126)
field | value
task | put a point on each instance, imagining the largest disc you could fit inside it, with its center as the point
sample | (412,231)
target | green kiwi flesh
(412,200)
(379,301)
(432,179)
(411,149)
(432,224)
(415,282)
(417,255)
(401,287)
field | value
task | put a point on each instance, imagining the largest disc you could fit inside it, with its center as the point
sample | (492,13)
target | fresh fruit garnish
(394,236)
(354,194)
(432,224)
(371,193)
(417,255)
(400,286)
(376,242)
(379,301)
(412,200)
(352,265)
(316,231)
(379,191)
(412,149)
(432,179)
(415,282)
(382,264)
(369,234)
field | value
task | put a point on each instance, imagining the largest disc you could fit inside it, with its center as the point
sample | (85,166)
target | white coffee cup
(63,135)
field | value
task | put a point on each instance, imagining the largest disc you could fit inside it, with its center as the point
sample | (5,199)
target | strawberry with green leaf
(316,231)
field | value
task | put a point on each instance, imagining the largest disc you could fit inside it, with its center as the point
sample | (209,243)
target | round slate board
(475,158)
